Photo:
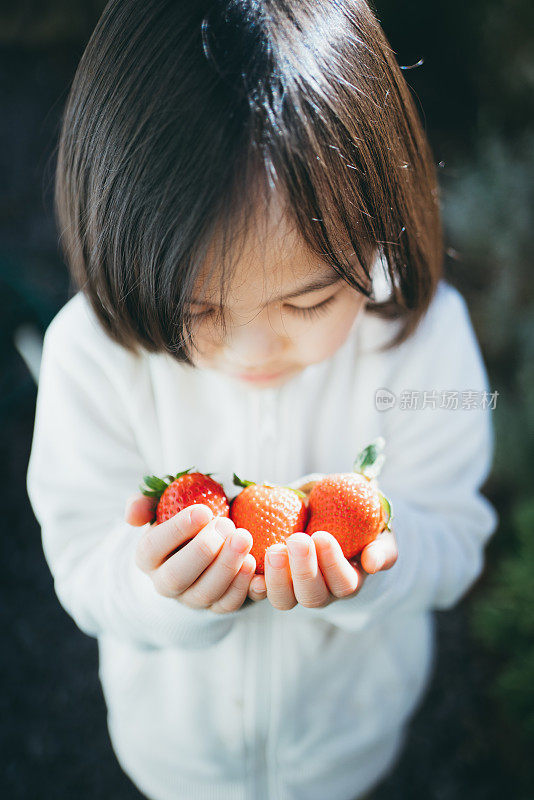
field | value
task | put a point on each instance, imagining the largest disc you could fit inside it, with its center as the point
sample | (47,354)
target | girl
(249,211)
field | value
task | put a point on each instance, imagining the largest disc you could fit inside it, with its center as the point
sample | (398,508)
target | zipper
(266,405)
(267,409)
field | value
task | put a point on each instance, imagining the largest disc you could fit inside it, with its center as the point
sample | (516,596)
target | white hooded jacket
(262,704)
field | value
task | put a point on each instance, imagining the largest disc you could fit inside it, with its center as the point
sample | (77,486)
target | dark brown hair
(180,112)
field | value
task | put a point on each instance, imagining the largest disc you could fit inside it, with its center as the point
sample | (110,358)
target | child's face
(268,339)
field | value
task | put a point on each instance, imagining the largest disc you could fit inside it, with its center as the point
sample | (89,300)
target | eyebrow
(312,285)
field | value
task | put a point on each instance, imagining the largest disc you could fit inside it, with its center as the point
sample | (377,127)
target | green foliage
(506,68)
(487,211)
(487,208)
(503,621)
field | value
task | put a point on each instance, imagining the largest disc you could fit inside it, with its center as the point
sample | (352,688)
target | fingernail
(239,542)
(323,537)
(299,548)
(256,585)
(201,516)
(224,526)
(276,558)
(378,561)
(128,504)
(249,567)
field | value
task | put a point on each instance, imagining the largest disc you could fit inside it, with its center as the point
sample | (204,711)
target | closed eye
(312,311)
(309,311)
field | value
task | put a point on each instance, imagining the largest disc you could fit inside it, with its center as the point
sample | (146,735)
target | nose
(255,344)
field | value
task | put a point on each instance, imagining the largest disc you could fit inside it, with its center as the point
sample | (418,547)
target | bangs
(196,121)
(250,212)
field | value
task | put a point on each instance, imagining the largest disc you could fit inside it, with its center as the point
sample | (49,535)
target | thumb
(139,509)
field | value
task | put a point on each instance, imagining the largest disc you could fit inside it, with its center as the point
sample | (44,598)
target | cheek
(324,336)
(206,345)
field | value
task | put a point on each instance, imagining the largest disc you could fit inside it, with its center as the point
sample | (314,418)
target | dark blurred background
(473,736)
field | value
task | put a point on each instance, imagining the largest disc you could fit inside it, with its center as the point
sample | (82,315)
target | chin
(277,380)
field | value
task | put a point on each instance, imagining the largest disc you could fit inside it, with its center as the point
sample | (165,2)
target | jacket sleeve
(437,460)
(84,464)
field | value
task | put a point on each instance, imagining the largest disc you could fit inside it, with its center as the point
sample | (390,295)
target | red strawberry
(271,514)
(349,505)
(182,490)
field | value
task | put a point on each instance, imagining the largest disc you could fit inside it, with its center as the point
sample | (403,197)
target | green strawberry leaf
(388,509)
(179,474)
(370,460)
(301,494)
(238,482)
(158,485)
(153,482)
(155,493)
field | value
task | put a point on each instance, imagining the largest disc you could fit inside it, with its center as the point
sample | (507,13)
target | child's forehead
(268,256)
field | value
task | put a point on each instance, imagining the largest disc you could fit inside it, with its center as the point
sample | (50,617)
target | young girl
(248,207)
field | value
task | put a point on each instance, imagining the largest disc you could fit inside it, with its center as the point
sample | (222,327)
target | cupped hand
(312,570)
(211,569)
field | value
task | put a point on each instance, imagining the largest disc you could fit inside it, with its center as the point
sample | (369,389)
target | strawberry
(349,505)
(271,514)
(182,490)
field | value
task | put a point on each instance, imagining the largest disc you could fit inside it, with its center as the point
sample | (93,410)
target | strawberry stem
(300,493)
(238,482)
(369,461)
(156,486)
(388,510)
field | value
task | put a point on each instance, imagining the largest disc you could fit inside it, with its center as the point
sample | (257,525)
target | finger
(236,594)
(139,509)
(380,554)
(308,584)
(215,580)
(159,541)
(341,577)
(182,569)
(278,578)
(257,589)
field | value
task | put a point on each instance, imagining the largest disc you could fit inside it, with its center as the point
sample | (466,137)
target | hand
(258,588)
(319,574)
(312,570)
(212,570)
